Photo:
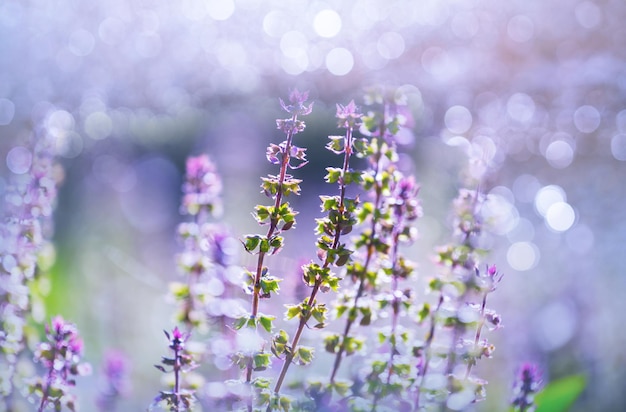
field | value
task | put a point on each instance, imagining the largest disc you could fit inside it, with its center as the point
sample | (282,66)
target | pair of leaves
(266,321)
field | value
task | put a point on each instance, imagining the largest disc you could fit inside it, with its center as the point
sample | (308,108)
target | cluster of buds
(460,314)
(115,371)
(205,245)
(60,355)
(527,384)
(179,398)
(332,253)
(202,187)
(278,217)
(25,253)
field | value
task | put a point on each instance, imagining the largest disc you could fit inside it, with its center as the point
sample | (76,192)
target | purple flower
(404,199)
(177,339)
(202,187)
(179,398)
(527,384)
(489,279)
(290,125)
(60,355)
(115,373)
(349,115)
(116,367)
(297,107)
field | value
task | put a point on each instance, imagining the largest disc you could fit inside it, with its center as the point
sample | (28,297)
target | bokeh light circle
(587,119)
(220,9)
(499,213)
(525,188)
(390,45)
(293,44)
(521,107)
(458,119)
(7,111)
(522,256)
(618,146)
(19,159)
(69,145)
(276,23)
(560,216)
(339,61)
(547,196)
(327,23)
(98,125)
(559,154)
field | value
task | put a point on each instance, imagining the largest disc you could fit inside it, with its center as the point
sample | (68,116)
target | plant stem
(478,330)
(396,309)
(176,378)
(44,398)
(318,281)
(270,232)
(370,253)
(427,356)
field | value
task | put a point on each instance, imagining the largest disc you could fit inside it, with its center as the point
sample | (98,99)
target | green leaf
(319,312)
(423,312)
(265,245)
(252,242)
(334,173)
(266,322)
(293,311)
(269,284)
(285,403)
(329,203)
(239,323)
(262,213)
(261,383)
(179,290)
(560,395)
(305,355)
(331,343)
(261,361)
(279,343)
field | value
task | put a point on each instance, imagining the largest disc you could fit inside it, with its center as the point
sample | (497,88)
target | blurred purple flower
(115,371)
(202,187)
(297,107)
(60,354)
(177,339)
(527,384)
(404,199)
(349,115)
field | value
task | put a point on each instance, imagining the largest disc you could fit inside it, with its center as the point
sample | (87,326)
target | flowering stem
(427,352)
(478,330)
(394,318)
(46,390)
(176,378)
(271,230)
(368,258)
(327,262)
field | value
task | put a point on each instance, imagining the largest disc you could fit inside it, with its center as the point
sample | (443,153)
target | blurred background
(129,88)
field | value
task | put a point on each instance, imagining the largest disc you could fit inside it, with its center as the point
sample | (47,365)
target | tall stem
(176,378)
(427,355)
(318,281)
(478,331)
(46,391)
(368,258)
(271,231)
(396,308)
